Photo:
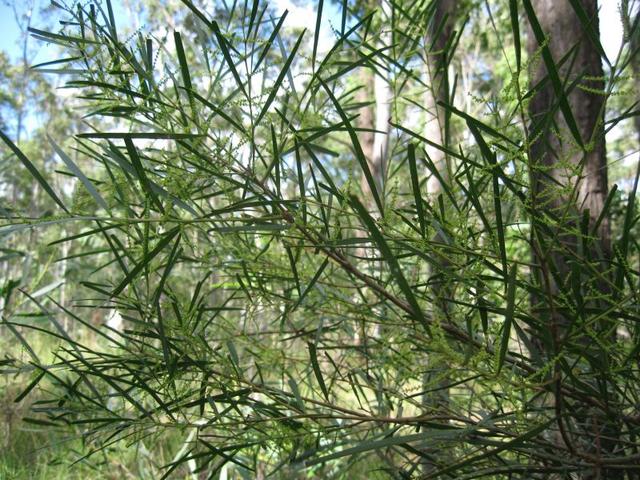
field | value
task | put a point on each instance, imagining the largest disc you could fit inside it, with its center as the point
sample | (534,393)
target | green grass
(34,452)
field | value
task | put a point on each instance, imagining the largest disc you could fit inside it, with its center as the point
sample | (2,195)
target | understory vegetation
(387,241)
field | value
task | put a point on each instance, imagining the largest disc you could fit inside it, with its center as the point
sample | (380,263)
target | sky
(303,15)
(300,14)
(610,27)
(10,31)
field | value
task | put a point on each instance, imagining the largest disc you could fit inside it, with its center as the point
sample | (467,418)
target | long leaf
(508,316)
(415,185)
(313,356)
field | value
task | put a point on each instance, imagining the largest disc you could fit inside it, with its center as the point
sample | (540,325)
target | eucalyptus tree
(571,235)
(439,45)
(374,115)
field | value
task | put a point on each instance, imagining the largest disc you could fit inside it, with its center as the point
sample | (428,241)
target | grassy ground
(36,452)
(31,451)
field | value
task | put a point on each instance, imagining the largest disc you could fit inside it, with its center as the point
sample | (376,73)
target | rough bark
(438,38)
(567,182)
(633,31)
(559,163)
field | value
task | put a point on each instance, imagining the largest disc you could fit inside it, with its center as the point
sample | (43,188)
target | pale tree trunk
(24,24)
(366,120)
(375,116)
(437,40)
(438,37)
(568,180)
(383,97)
(375,145)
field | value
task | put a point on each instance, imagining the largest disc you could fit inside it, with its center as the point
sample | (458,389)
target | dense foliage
(244,290)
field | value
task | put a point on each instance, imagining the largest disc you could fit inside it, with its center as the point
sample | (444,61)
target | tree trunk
(634,42)
(437,41)
(366,120)
(558,162)
(438,55)
(569,188)
(375,145)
